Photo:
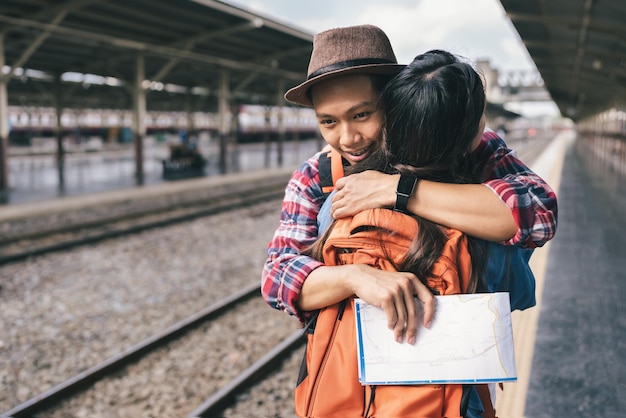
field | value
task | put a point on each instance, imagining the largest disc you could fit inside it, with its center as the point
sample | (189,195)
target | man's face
(348,115)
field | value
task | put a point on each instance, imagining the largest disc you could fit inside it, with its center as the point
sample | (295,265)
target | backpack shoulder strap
(330,169)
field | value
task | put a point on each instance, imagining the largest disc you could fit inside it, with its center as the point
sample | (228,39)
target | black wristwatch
(406,186)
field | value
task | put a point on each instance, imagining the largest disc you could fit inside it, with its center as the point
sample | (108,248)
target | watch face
(406,184)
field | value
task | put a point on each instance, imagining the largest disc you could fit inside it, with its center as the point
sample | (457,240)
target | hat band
(347,64)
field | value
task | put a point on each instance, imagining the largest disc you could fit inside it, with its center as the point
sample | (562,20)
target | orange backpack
(328,384)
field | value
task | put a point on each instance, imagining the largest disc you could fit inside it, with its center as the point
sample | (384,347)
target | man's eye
(326,122)
(361,115)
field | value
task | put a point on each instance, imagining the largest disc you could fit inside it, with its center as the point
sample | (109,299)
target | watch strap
(406,187)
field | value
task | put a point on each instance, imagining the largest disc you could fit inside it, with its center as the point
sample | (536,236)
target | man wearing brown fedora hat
(347,72)
(357,49)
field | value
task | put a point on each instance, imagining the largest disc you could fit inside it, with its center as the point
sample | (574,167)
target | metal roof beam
(35,44)
(74,34)
(207,35)
(188,44)
(269,60)
(55,9)
(543,19)
(582,43)
(597,25)
(555,49)
(599,83)
(235,11)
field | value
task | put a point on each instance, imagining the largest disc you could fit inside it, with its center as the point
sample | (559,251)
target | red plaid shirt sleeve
(532,202)
(286,268)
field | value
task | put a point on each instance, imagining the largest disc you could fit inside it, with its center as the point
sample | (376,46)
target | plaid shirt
(531,200)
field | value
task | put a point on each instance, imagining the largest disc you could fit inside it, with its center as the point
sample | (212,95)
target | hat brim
(298,94)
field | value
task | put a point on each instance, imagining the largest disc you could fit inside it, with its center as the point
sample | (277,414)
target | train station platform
(569,348)
(578,367)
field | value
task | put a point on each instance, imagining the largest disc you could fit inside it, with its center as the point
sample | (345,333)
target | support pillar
(139,117)
(234,135)
(223,109)
(191,127)
(60,154)
(295,135)
(4,129)
(267,140)
(280,102)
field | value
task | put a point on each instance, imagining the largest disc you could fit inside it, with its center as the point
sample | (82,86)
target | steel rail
(85,379)
(180,202)
(224,397)
(216,205)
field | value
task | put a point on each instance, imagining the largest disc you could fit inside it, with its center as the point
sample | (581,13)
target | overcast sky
(474,29)
(471,28)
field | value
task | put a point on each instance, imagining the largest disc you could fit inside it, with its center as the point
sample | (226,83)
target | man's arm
(471,208)
(510,192)
(286,268)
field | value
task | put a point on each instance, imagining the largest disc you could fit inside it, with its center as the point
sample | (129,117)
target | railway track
(211,407)
(18,247)
(227,395)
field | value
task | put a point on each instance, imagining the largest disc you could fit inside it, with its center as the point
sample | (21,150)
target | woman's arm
(391,291)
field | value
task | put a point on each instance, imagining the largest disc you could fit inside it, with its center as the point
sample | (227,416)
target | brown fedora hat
(354,49)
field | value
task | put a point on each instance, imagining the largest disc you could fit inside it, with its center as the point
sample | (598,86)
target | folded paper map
(470,341)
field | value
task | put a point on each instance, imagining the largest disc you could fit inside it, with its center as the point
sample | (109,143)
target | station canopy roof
(186,45)
(579,47)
